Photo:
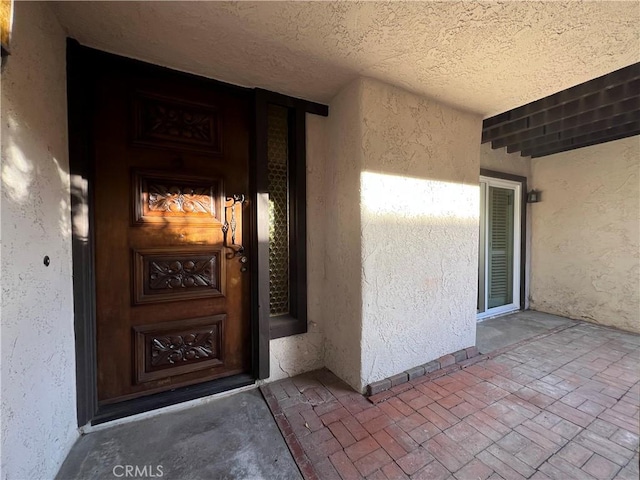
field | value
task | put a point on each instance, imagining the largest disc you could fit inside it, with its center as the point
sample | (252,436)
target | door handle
(236,249)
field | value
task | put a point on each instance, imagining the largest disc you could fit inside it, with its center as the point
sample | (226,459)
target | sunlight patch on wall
(65,202)
(19,177)
(17,172)
(412,198)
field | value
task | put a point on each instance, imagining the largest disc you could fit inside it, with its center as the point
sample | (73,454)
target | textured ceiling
(484,57)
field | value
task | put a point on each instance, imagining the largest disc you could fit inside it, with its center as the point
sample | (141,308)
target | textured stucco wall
(38,359)
(342,293)
(499,160)
(419,234)
(392,235)
(302,353)
(585,234)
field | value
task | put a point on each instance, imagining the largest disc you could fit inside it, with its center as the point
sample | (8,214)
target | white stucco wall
(392,235)
(499,160)
(402,231)
(290,356)
(38,356)
(585,234)
(343,271)
(419,207)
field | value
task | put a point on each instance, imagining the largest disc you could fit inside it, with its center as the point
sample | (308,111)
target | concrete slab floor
(231,438)
(502,331)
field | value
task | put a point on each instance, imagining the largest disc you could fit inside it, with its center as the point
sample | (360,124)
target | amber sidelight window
(278,185)
(281,213)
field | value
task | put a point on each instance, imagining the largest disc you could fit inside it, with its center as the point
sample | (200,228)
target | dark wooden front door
(172,295)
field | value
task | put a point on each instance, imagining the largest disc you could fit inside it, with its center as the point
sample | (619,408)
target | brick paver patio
(561,406)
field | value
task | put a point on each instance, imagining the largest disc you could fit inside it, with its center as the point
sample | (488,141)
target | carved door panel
(172,296)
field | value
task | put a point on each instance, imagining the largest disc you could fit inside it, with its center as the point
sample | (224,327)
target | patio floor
(500,332)
(561,405)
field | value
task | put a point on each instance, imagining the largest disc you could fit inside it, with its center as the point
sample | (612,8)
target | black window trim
(296,321)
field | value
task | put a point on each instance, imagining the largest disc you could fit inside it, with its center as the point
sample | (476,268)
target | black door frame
(523,223)
(83,63)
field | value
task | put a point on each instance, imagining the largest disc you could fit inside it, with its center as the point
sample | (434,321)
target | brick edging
(302,461)
(399,379)
(385,389)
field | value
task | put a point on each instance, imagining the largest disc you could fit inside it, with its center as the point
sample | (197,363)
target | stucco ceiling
(484,57)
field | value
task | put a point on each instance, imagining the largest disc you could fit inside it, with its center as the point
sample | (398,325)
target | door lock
(243,263)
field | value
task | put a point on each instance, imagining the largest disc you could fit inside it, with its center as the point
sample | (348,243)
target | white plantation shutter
(500,246)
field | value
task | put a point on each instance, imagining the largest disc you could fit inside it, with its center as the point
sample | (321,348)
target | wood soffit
(601,110)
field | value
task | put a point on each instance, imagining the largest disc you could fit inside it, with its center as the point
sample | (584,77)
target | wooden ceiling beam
(520,137)
(628,105)
(618,77)
(615,95)
(567,134)
(608,135)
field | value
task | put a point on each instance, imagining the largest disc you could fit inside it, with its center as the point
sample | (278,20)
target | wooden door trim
(82,62)
(82,238)
(114,411)
(523,223)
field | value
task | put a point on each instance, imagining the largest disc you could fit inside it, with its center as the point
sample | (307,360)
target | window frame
(295,322)
(523,224)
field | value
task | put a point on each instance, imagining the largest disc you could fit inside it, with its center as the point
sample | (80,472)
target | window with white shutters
(500,233)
